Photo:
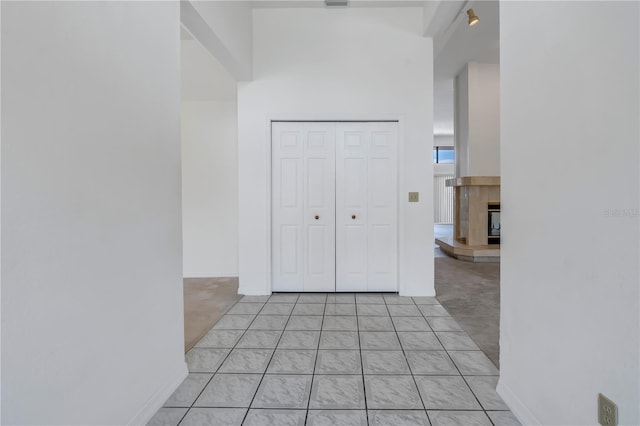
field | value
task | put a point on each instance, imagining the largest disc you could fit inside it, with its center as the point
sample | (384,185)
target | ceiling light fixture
(473,18)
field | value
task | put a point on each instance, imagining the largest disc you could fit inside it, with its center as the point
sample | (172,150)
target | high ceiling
(462,44)
(455,44)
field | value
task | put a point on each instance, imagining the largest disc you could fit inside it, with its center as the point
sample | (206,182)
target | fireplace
(476,227)
(493,226)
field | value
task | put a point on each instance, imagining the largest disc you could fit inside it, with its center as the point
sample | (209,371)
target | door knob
(317,217)
(353,216)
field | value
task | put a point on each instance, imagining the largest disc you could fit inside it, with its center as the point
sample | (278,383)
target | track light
(473,19)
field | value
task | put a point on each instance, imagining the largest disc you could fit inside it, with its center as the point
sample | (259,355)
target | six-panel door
(303,207)
(334,206)
(366,207)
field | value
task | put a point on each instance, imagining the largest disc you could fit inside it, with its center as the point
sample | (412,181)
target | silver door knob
(317,217)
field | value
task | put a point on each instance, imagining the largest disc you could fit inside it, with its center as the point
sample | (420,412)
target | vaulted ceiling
(455,44)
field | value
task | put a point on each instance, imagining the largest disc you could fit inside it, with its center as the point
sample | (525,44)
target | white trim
(268,183)
(335,118)
(522,413)
(253,292)
(160,397)
(401,205)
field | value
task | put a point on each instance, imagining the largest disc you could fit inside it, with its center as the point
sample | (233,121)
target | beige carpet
(205,301)
(471,294)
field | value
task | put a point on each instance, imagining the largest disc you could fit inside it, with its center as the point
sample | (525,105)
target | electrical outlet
(413,197)
(607,411)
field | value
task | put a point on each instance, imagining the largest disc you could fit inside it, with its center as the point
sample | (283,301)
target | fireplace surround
(476,228)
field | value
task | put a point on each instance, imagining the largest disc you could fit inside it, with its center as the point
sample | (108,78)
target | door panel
(287,184)
(289,249)
(380,178)
(351,206)
(319,208)
(380,261)
(351,265)
(366,207)
(382,245)
(354,190)
(316,250)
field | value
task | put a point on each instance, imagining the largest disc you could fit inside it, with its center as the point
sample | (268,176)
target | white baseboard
(155,402)
(522,413)
(253,292)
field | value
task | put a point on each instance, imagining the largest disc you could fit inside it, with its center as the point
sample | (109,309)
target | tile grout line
(436,336)
(272,354)
(364,385)
(457,368)
(406,359)
(183,416)
(315,363)
(225,358)
(462,330)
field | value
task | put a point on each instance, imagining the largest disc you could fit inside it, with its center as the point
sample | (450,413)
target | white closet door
(319,207)
(335,206)
(382,245)
(303,206)
(366,207)
(287,206)
(352,140)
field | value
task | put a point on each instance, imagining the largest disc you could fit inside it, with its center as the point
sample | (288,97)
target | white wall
(92,315)
(209,165)
(443,104)
(210,188)
(227,33)
(443,140)
(444,169)
(202,76)
(338,64)
(461,122)
(478,120)
(569,268)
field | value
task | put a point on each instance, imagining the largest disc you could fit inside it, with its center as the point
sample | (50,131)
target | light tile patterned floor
(336,359)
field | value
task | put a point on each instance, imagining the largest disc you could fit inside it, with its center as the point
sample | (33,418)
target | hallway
(336,359)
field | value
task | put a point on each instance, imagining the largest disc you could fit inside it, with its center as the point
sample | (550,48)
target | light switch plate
(413,197)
